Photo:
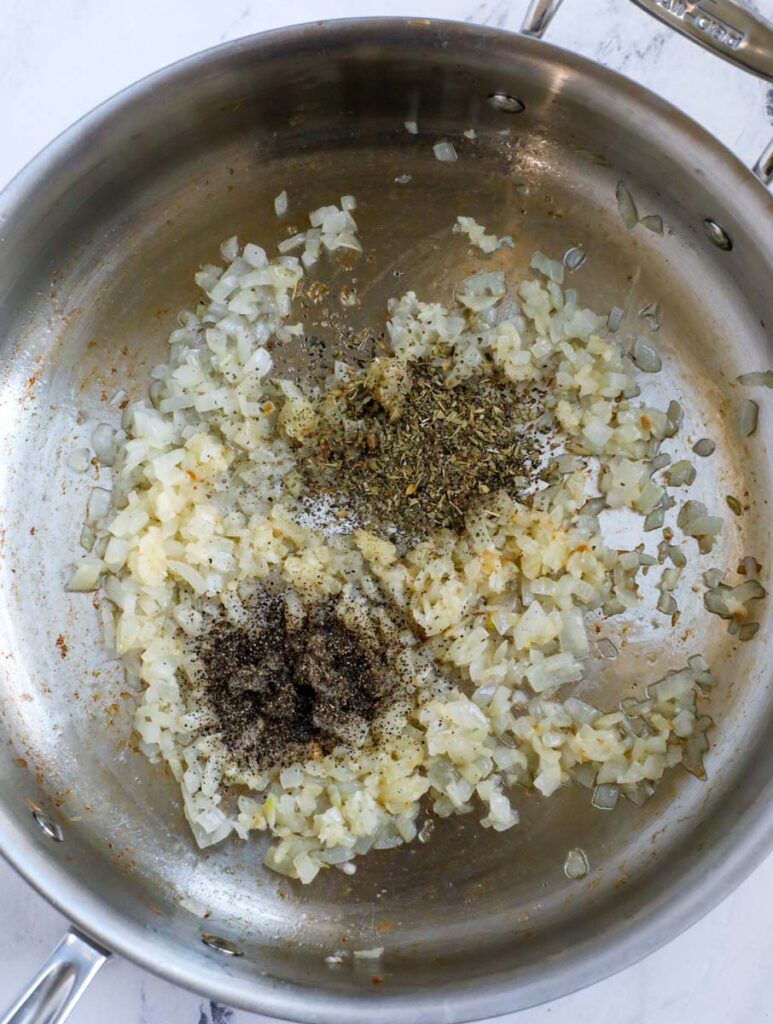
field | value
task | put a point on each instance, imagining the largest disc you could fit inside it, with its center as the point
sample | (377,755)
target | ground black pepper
(281,689)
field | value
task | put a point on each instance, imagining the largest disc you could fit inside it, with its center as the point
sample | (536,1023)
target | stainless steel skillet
(98,241)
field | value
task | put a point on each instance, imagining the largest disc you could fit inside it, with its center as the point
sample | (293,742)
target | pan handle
(60,982)
(722,26)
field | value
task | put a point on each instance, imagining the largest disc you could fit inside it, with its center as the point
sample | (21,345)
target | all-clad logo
(704,22)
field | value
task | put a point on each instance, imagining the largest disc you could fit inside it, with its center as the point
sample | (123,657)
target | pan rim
(726,866)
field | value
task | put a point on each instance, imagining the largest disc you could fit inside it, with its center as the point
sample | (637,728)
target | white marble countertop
(58,59)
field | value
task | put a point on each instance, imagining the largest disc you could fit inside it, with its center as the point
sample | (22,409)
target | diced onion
(712,578)
(86,576)
(79,460)
(646,356)
(98,505)
(654,519)
(747,417)
(676,555)
(653,222)
(294,242)
(747,630)
(445,152)
(734,504)
(103,440)
(368,954)
(749,566)
(694,519)
(757,379)
(704,447)
(280,204)
(574,259)
(674,418)
(411,127)
(230,249)
(576,864)
(484,290)
(615,319)
(681,473)
(605,797)
(607,649)
(626,206)
(552,269)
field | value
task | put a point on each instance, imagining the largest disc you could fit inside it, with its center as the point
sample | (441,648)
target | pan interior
(92,292)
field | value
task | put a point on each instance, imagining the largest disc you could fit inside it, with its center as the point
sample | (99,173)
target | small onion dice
(646,356)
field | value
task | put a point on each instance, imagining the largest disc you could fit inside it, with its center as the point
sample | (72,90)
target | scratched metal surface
(99,271)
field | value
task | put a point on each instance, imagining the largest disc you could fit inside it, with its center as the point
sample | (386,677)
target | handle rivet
(506,103)
(717,235)
(48,826)
(224,946)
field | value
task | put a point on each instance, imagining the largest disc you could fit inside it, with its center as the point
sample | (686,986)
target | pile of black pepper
(427,462)
(281,689)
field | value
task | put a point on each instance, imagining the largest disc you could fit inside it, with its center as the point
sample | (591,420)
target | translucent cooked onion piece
(694,519)
(98,505)
(674,418)
(103,440)
(677,556)
(552,269)
(605,797)
(713,577)
(626,206)
(749,566)
(87,575)
(655,519)
(574,258)
(704,447)
(79,460)
(757,379)
(748,415)
(482,291)
(735,605)
(646,355)
(607,649)
(445,152)
(696,746)
(615,319)
(638,792)
(576,864)
(653,222)
(682,473)
(477,234)
(734,505)
(229,249)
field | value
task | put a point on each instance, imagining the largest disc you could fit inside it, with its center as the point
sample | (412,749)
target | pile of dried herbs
(420,454)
